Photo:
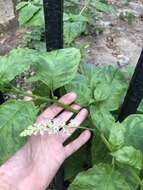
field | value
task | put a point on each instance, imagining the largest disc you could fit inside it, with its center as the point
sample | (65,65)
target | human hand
(34,166)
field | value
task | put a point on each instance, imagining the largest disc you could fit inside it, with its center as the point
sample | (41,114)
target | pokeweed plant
(77,17)
(114,157)
(51,70)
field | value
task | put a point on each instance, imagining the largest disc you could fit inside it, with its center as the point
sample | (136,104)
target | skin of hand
(34,166)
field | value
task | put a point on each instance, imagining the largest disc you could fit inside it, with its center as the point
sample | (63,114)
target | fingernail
(85,111)
(87,134)
(73,94)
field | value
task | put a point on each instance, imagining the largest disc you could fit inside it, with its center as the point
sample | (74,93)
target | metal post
(135,92)
(53,13)
(1,98)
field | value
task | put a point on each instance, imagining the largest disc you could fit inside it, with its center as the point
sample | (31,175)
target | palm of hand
(42,156)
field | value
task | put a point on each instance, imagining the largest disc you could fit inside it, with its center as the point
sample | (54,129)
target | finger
(66,115)
(77,143)
(81,116)
(53,110)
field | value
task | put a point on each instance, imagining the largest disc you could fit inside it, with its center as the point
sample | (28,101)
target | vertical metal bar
(53,12)
(135,92)
(1,98)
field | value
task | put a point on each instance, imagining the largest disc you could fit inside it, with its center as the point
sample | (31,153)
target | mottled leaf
(27,12)
(117,136)
(101,118)
(102,91)
(74,25)
(134,131)
(81,87)
(100,177)
(57,68)
(15,117)
(16,62)
(130,156)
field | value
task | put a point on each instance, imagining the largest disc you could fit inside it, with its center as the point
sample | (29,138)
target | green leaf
(74,25)
(100,177)
(16,62)
(21,5)
(104,7)
(37,20)
(15,117)
(130,156)
(102,91)
(101,119)
(82,89)
(125,171)
(116,86)
(117,136)
(107,74)
(117,93)
(27,12)
(89,71)
(99,151)
(140,108)
(134,131)
(57,68)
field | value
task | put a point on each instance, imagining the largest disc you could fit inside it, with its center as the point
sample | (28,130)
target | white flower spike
(50,127)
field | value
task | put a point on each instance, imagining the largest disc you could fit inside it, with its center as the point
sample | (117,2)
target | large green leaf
(117,92)
(15,116)
(57,68)
(114,83)
(74,25)
(125,171)
(90,70)
(134,131)
(101,118)
(117,136)
(21,5)
(130,156)
(81,87)
(37,20)
(100,177)
(27,12)
(17,61)
(102,91)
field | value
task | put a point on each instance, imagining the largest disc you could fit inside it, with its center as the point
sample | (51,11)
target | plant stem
(85,7)
(84,128)
(58,103)
(105,142)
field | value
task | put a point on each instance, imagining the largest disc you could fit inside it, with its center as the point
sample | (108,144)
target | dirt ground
(120,41)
